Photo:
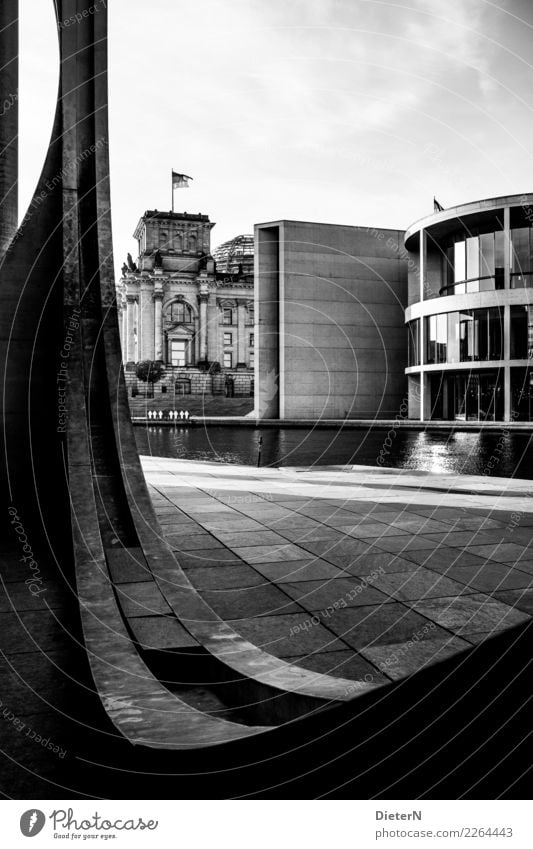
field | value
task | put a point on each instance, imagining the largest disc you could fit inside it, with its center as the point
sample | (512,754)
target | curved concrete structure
(470,319)
(9,94)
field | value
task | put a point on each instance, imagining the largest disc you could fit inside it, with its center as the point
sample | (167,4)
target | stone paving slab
(366,574)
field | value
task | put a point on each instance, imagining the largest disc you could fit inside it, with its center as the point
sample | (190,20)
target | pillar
(422,280)
(212,329)
(9,93)
(203,299)
(507,400)
(158,326)
(146,325)
(241,335)
(131,301)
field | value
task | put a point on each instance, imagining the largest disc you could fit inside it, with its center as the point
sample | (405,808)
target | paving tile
(141,599)
(490,577)
(17,596)
(161,632)
(322,532)
(505,553)
(265,600)
(441,559)
(400,545)
(207,557)
(340,592)
(384,561)
(341,553)
(215,578)
(196,542)
(380,625)
(398,660)
(342,664)
(421,583)
(286,635)
(294,521)
(232,525)
(299,570)
(31,631)
(271,554)
(522,599)
(525,566)
(127,565)
(469,613)
(250,538)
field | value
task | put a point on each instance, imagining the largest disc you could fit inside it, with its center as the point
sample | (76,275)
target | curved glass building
(470,312)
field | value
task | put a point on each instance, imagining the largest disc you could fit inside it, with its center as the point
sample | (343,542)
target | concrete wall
(267,317)
(342,344)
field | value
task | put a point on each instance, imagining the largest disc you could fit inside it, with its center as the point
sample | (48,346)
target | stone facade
(330,306)
(176,308)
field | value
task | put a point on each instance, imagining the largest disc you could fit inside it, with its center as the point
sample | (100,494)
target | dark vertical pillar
(9,92)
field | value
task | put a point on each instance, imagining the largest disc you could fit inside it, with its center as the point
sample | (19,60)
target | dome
(238,251)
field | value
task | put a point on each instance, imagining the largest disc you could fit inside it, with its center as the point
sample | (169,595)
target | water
(490,453)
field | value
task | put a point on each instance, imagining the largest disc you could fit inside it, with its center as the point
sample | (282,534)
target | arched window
(163,239)
(192,241)
(180,312)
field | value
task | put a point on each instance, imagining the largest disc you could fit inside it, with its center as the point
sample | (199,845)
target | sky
(341,111)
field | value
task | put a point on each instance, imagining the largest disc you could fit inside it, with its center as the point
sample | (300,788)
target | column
(241,335)
(213,329)
(507,316)
(9,93)
(158,326)
(203,299)
(146,325)
(422,280)
(131,301)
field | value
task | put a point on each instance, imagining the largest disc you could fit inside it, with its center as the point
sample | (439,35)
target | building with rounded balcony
(470,312)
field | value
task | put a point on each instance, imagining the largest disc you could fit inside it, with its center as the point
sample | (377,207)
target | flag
(180,181)
(437,206)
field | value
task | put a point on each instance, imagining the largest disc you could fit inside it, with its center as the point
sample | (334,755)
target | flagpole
(172,184)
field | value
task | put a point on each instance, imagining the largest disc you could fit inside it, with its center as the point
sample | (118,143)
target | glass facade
(462,337)
(521,258)
(474,263)
(413,339)
(522,394)
(467,395)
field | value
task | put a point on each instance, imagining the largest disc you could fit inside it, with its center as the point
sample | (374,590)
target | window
(252,359)
(252,340)
(459,261)
(521,259)
(228,339)
(180,313)
(178,349)
(192,242)
(227,316)
(413,352)
(228,359)
(436,338)
(521,333)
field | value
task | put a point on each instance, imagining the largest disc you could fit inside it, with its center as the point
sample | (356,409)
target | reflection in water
(499,454)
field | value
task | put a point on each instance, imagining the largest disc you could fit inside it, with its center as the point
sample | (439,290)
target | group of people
(171,414)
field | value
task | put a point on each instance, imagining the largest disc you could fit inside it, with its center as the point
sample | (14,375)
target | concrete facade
(330,302)
(470,313)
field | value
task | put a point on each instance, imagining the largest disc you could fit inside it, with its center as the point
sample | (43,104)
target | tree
(150,371)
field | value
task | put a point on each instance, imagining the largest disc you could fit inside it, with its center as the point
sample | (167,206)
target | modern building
(330,303)
(177,308)
(470,312)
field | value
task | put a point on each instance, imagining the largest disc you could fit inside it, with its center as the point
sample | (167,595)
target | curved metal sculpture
(69,466)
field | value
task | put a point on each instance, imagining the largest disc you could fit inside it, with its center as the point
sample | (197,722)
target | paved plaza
(361,573)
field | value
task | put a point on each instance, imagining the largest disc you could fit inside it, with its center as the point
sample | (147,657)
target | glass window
(227,316)
(466,336)
(252,340)
(499,254)
(180,313)
(495,334)
(522,394)
(459,261)
(413,338)
(252,359)
(453,337)
(472,258)
(521,333)
(228,359)
(177,352)
(436,338)
(520,255)
(228,339)
(450,277)
(486,251)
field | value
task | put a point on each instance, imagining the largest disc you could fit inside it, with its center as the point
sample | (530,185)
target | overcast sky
(343,111)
